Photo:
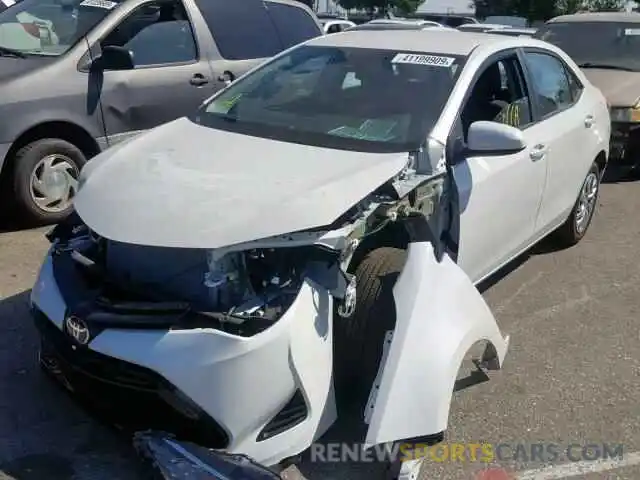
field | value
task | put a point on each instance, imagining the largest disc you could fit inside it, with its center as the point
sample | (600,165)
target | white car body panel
(566,137)
(242,192)
(554,180)
(440,315)
(488,239)
(242,382)
(232,185)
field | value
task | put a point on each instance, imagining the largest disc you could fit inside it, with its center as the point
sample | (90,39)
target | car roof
(479,26)
(433,40)
(622,17)
(327,21)
(388,26)
(401,21)
(513,30)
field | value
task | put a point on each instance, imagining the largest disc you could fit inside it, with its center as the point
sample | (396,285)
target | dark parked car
(78,76)
(606,45)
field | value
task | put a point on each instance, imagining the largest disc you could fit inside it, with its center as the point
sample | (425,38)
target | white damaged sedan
(313,236)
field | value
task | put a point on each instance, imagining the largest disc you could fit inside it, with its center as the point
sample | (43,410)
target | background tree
(532,10)
(567,7)
(536,10)
(382,7)
(605,5)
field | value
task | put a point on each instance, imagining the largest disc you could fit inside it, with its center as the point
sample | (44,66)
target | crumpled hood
(620,88)
(190,186)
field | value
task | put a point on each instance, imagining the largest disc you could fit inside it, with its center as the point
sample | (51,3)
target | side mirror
(494,138)
(115,58)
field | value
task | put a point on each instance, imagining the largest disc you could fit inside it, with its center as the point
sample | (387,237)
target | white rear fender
(439,316)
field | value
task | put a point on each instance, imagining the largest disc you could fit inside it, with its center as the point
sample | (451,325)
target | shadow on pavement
(323,461)
(43,434)
(10,222)
(619,174)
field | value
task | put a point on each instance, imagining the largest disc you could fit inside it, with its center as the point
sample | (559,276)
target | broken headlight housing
(254,283)
(262,283)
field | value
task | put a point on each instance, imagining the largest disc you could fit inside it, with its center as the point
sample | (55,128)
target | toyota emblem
(77,329)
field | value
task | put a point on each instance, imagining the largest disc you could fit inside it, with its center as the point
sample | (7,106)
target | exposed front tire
(359,339)
(576,226)
(45,179)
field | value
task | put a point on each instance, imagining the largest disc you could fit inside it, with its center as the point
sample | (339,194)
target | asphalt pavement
(571,378)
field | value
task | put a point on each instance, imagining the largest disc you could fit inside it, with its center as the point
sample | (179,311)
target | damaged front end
(238,340)
(241,289)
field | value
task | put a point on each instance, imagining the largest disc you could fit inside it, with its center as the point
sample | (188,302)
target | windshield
(345,98)
(50,27)
(597,44)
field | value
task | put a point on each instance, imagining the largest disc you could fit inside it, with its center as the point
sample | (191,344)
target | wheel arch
(63,130)
(435,344)
(602,161)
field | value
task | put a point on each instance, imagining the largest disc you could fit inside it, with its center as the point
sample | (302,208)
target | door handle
(198,80)
(538,152)
(588,121)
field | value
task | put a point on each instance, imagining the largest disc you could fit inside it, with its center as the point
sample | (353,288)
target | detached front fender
(439,316)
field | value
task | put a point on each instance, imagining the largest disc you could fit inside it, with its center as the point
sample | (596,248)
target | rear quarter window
(294,24)
(242,30)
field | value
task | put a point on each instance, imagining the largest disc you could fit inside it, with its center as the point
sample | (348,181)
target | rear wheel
(575,228)
(45,179)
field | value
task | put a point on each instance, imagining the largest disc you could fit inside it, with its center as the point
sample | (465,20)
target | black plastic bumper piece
(131,396)
(174,460)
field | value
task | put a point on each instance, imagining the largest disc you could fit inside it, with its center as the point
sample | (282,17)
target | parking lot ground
(571,377)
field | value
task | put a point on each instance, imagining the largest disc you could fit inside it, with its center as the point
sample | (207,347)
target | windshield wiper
(605,66)
(10,52)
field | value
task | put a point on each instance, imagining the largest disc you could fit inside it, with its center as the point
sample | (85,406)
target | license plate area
(51,363)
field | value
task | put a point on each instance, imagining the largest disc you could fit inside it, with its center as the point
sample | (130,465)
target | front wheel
(575,228)
(359,341)
(46,178)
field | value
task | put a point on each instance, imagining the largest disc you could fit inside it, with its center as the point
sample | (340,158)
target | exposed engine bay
(243,289)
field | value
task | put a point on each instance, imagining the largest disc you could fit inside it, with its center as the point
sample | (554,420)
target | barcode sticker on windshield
(431,60)
(106,4)
(632,31)
(8,3)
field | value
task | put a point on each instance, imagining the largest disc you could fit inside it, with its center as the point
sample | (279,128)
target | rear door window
(242,30)
(551,82)
(294,24)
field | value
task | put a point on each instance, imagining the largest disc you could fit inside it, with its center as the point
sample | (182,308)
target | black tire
(569,234)
(26,161)
(359,339)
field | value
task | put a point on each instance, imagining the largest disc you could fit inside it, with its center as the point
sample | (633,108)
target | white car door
(567,132)
(499,195)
